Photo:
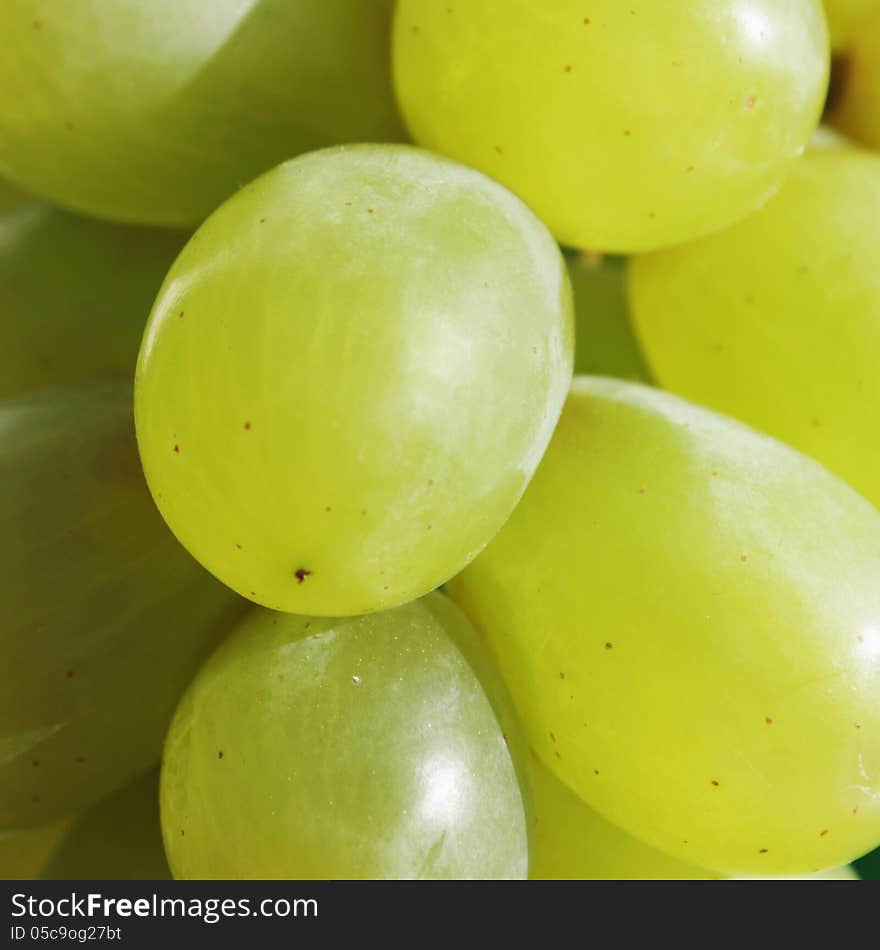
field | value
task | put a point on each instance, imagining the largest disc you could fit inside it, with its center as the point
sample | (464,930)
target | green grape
(155,111)
(350,375)
(104,618)
(74,295)
(571,842)
(687,615)
(625,127)
(119,839)
(777,320)
(845,17)
(604,339)
(856,109)
(343,748)
(23,854)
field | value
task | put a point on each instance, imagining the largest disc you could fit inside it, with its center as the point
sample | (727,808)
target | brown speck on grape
(182,312)
(369,210)
(38,24)
(689,169)
(237,546)
(744,557)
(652,215)
(762,851)
(643,490)
(35,763)
(182,833)
(595,771)
(609,646)
(499,149)
(247,426)
(253,593)
(386,588)
(220,754)
(768,720)
(823,833)
(855,811)
(356,680)
(306,627)
(751,102)
(262,220)
(552,737)
(364,512)
(715,782)
(627,132)
(858,725)
(70,674)
(80,759)
(347,204)
(567,68)
(587,21)
(815,422)
(301,574)
(327,508)
(430,482)
(428,527)
(562,676)
(176,449)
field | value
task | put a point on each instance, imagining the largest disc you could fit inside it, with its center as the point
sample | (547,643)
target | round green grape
(349,376)
(625,127)
(104,619)
(777,321)
(343,748)
(119,839)
(856,109)
(687,615)
(845,17)
(75,295)
(155,111)
(604,340)
(571,842)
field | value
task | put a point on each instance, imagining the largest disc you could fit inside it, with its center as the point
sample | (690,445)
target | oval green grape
(625,128)
(605,343)
(75,295)
(155,111)
(777,320)
(856,107)
(118,839)
(342,748)
(104,618)
(349,376)
(687,615)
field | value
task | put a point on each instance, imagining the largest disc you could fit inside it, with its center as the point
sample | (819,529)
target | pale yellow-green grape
(625,126)
(361,747)
(845,17)
(75,295)
(777,320)
(573,842)
(349,376)
(119,839)
(23,854)
(856,110)
(604,339)
(104,619)
(155,111)
(687,616)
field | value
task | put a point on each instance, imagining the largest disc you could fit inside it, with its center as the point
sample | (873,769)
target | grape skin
(118,839)
(155,111)
(626,127)
(75,295)
(687,615)
(350,375)
(104,618)
(777,320)
(343,748)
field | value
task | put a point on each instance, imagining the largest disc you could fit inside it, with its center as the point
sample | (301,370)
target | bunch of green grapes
(626,127)
(155,111)
(657,652)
